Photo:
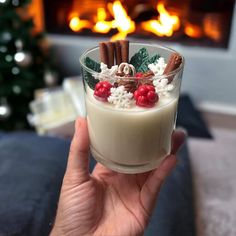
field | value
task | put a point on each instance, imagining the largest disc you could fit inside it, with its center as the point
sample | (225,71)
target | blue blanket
(31,172)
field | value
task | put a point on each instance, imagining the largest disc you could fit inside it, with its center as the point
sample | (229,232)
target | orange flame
(193,31)
(76,24)
(165,25)
(121,22)
(102,26)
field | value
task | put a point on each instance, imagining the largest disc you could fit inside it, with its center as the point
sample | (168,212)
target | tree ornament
(22,58)
(15,3)
(5,109)
(5,36)
(16,89)
(50,78)
(3,49)
(3,1)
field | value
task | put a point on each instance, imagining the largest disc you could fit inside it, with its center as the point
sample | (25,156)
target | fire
(165,25)
(121,22)
(102,26)
(193,31)
(76,24)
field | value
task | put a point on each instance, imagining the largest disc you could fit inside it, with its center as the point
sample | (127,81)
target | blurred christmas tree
(25,63)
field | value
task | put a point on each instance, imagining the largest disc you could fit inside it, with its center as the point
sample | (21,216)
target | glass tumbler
(134,139)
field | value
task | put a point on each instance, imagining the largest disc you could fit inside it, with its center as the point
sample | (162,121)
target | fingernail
(182,129)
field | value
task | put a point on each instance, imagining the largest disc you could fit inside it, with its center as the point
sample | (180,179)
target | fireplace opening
(189,22)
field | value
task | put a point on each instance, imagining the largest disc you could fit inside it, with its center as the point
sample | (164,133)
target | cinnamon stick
(103,53)
(124,44)
(118,52)
(173,63)
(118,49)
(110,50)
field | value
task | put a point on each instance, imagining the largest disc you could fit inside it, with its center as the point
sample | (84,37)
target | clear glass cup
(132,140)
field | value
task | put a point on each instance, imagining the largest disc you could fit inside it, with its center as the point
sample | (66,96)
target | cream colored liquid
(135,136)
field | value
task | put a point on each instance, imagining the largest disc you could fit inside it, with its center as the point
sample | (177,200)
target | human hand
(106,202)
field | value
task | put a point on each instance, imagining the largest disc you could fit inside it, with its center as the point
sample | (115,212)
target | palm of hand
(123,211)
(109,203)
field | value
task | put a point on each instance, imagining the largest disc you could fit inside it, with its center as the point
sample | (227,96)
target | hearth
(210,71)
(189,22)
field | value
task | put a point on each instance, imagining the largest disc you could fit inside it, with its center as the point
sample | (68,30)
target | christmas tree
(24,63)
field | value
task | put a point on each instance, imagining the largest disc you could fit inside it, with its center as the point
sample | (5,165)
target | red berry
(96,93)
(143,90)
(102,90)
(150,88)
(142,101)
(152,97)
(136,94)
(106,84)
(146,96)
(139,75)
(98,86)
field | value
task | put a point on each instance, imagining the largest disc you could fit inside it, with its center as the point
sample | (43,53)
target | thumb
(77,165)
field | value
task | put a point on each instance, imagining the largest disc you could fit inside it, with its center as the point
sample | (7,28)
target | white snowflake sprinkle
(158,67)
(162,87)
(120,97)
(106,73)
(160,83)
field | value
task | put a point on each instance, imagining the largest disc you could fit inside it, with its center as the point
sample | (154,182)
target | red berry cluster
(102,90)
(144,75)
(146,96)
(139,75)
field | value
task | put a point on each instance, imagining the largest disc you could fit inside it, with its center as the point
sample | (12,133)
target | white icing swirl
(127,69)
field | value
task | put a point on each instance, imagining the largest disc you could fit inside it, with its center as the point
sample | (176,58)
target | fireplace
(206,36)
(189,22)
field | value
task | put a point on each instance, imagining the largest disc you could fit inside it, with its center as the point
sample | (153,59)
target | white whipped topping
(106,73)
(158,67)
(120,97)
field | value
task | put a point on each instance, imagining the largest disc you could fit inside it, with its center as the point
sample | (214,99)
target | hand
(106,202)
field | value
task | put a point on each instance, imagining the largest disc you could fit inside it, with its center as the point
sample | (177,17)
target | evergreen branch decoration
(141,60)
(89,78)
(153,59)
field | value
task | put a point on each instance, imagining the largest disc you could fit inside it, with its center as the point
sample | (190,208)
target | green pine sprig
(88,77)
(141,60)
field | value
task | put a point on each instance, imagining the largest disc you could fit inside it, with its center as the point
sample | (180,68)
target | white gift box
(55,110)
